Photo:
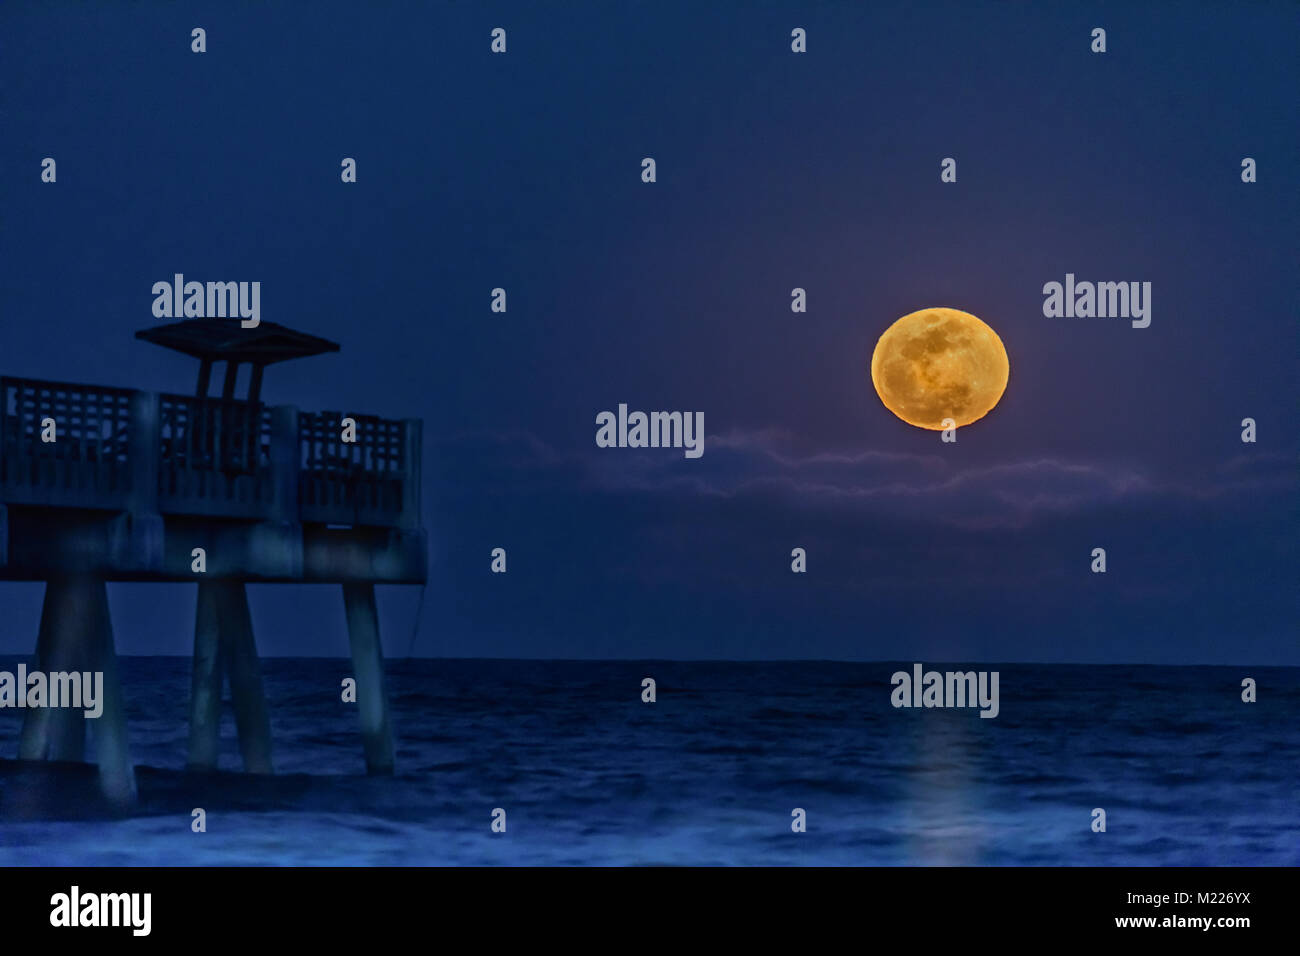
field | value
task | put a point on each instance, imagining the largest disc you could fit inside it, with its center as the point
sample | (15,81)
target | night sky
(775,170)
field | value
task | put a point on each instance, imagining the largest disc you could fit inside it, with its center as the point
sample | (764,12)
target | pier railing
(214,457)
(365,479)
(100,447)
(63,440)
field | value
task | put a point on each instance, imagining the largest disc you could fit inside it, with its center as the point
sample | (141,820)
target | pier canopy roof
(225,340)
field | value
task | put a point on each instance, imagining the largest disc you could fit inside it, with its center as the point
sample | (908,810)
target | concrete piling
(368,669)
(238,653)
(63,643)
(224,647)
(205,681)
(76,635)
(112,741)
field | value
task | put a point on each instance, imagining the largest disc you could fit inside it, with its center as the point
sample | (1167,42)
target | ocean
(708,774)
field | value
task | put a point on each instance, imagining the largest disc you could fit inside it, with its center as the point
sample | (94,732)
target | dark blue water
(588,774)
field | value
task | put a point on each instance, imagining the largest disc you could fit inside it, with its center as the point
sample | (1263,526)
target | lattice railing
(214,456)
(203,456)
(352,482)
(88,455)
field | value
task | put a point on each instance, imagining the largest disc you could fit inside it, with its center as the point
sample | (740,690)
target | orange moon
(939,363)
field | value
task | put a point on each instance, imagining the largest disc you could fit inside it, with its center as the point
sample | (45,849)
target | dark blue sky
(775,170)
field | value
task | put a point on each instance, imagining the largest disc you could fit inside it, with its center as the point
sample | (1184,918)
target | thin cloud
(768,465)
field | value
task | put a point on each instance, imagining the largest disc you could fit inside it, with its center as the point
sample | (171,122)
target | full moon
(939,363)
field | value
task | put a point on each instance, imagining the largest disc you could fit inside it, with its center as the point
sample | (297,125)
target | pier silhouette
(103,483)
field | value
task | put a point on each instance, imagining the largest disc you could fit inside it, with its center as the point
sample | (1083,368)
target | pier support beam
(223,644)
(368,669)
(112,743)
(239,660)
(63,643)
(205,682)
(76,635)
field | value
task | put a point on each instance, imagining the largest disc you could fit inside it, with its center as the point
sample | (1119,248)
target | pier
(104,483)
